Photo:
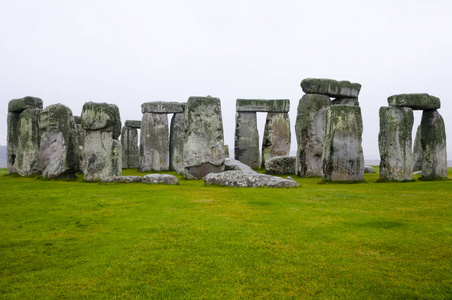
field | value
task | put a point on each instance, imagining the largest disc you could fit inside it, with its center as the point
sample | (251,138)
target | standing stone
(433,140)
(59,142)
(102,150)
(176,150)
(394,141)
(276,140)
(246,147)
(342,158)
(28,161)
(154,142)
(417,151)
(310,130)
(203,140)
(130,150)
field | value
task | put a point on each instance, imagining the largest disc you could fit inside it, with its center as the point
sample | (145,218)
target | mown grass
(73,239)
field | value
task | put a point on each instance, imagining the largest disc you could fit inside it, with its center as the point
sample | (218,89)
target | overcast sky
(131,52)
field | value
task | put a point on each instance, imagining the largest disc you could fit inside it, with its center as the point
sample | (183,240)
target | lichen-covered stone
(417,151)
(101,116)
(12,139)
(176,144)
(133,124)
(203,139)
(233,164)
(130,150)
(123,179)
(162,107)
(260,105)
(101,155)
(342,158)
(245,179)
(160,178)
(281,165)
(78,120)
(276,139)
(330,87)
(345,101)
(246,147)
(394,142)
(433,141)
(310,130)
(28,159)
(154,143)
(415,101)
(369,169)
(60,152)
(226,151)
(19,105)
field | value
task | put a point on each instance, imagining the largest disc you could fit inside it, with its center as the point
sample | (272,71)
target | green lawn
(72,239)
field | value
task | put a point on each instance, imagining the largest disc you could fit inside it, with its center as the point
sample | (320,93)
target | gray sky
(130,52)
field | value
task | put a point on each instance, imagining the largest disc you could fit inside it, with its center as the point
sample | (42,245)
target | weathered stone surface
(81,133)
(260,105)
(27,159)
(132,123)
(123,179)
(162,107)
(226,151)
(78,120)
(60,152)
(233,164)
(154,143)
(176,151)
(415,101)
(19,105)
(203,140)
(276,140)
(342,158)
(310,130)
(244,179)
(101,155)
(345,101)
(330,87)
(130,150)
(394,142)
(246,147)
(101,116)
(417,151)
(160,178)
(12,139)
(433,141)
(281,165)
(369,169)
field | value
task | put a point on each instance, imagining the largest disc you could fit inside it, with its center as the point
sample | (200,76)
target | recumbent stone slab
(415,101)
(160,178)
(330,87)
(261,105)
(162,107)
(281,165)
(245,179)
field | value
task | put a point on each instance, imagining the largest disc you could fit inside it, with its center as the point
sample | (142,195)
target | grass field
(73,239)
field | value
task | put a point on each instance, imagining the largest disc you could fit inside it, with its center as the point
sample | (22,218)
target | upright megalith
(342,158)
(176,151)
(246,146)
(203,139)
(276,139)
(102,149)
(154,143)
(433,141)
(129,144)
(417,151)
(394,141)
(59,147)
(27,137)
(310,130)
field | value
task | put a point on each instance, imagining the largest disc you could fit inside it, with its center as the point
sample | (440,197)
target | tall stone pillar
(433,140)
(129,144)
(417,151)
(276,139)
(154,143)
(176,150)
(246,147)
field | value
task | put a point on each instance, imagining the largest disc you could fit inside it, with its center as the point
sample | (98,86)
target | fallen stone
(154,143)
(233,164)
(330,87)
(101,116)
(417,151)
(417,173)
(342,158)
(176,144)
(394,142)
(133,124)
(160,178)
(310,130)
(28,154)
(123,179)
(244,179)
(260,105)
(369,169)
(203,140)
(415,101)
(246,141)
(162,107)
(281,165)
(19,105)
(60,152)
(433,140)
(276,139)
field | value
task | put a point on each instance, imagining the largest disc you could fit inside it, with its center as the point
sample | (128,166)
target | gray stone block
(246,146)
(160,178)
(433,141)
(130,149)
(28,154)
(417,151)
(261,105)
(276,139)
(176,151)
(101,116)
(330,87)
(19,105)
(281,165)
(162,107)
(12,141)
(132,123)
(415,101)
(154,143)
(244,179)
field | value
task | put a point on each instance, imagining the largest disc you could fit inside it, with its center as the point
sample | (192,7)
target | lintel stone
(415,101)
(330,87)
(132,123)
(162,107)
(19,105)
(262,105)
